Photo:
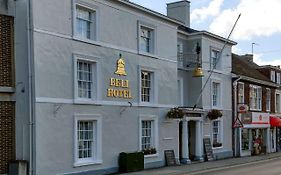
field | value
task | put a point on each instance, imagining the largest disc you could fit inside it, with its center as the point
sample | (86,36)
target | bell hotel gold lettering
(119,83)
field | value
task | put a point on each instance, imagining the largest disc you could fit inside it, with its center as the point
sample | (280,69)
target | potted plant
(149,151)
(175,113)
(214,114)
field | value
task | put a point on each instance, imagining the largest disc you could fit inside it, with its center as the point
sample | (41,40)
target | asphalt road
(268,167)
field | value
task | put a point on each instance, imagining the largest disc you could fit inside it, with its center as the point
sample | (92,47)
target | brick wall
(6,51)
(7,134)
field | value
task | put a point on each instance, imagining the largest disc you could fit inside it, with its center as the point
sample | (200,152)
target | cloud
(201,14)
(259,18)
(258,58)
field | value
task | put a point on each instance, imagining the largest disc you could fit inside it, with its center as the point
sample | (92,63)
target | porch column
(185,149)
(199,141)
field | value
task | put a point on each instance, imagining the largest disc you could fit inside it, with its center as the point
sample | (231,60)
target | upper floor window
(146,39)
(278,103)
(278,78)
(255,97)
(215,59)
(85,79)
(216,88)
(272,76)
(85,25)
(240,93)
(268,99)
(146,86)
(180,54)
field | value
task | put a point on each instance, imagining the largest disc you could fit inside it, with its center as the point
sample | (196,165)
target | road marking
(231,166)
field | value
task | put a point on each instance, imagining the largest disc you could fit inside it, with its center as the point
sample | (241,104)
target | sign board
(260,118)
(246,118)
(242,108)
(208,149)
(237,122)
(170,157)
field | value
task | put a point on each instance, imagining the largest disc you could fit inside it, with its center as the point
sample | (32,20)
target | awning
(275,121)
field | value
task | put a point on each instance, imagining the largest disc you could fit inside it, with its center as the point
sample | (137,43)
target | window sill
(7,89)
(85,40)
(217,148)
(148,54)
(217,107)
(85,163)
(255,110)
(151,155)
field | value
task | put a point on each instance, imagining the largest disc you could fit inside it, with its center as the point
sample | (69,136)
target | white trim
(101,102)
(100,43)
(98,119)
(7,89)
(219,60)
(155,132)
(279,93)
(250,105)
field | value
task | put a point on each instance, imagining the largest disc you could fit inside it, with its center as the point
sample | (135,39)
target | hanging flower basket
(175,113)
(214,114)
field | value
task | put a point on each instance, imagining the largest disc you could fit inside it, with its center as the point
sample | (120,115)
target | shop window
(245,139)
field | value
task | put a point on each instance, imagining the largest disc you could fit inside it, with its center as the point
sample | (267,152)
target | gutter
(31,89)
(236,145)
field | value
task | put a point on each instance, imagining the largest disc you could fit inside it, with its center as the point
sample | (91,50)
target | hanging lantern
(198,71)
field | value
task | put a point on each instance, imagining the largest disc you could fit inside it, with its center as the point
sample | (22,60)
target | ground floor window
(245,139)
(87,140)
(217,133)
(148,134)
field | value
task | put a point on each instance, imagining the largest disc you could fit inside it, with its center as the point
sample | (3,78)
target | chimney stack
(180,11)
(249,57)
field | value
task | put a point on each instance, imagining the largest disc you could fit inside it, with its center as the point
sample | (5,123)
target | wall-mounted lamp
(198,72)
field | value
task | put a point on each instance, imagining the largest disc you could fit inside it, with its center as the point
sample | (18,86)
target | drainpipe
(30,88)
(236,130)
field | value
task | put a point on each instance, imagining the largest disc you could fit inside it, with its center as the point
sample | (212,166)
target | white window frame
(155,140)
(268,101)
(276,104)
(272,76)
(219,95)
(259,107)
(95,78)
(94,32)
(153,40)
(243,93)
(278,78)
(218,60)
(97,136)
(154,90)
(220,135)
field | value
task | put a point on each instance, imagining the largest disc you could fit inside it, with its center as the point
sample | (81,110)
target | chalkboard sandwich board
(208,149)
(170,158)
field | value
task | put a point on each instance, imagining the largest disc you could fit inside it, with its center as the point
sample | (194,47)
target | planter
(149,151)
(130,162)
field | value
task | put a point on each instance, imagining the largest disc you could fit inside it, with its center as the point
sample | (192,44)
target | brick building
(254,90)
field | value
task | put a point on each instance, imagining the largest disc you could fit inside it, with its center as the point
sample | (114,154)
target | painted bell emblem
(120,70)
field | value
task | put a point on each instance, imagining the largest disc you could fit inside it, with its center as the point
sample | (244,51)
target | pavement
(206,166)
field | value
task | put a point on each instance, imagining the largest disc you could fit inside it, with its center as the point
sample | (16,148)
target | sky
(259,25)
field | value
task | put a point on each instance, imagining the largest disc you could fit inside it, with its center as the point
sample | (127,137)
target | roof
(241,65)
(149,11)
(191,31)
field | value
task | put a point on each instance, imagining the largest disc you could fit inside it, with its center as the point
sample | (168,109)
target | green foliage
(214,114)
(176,113)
